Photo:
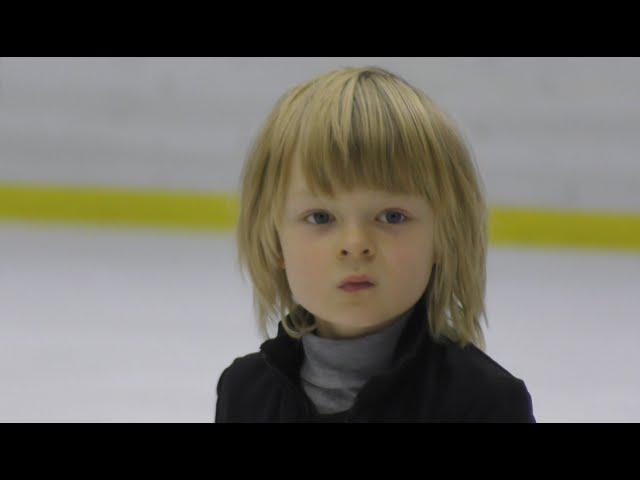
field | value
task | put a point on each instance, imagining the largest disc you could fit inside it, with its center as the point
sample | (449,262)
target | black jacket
(428,381)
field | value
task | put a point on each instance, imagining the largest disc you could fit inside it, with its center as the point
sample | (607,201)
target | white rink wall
(545,131)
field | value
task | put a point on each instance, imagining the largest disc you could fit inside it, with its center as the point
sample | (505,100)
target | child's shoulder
(482,388)
(246,380)
(472,363)
(245,367)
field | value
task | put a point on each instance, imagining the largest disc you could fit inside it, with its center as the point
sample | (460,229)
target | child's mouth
(355,287)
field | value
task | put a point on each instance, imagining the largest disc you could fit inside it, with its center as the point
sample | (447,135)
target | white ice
(104,325)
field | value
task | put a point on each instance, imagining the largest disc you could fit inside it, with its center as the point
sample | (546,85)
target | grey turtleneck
(334,370)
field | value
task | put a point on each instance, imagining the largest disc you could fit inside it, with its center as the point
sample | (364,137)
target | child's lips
(357,286)
(357,279)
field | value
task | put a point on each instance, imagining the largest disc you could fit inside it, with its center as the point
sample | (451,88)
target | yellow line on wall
(205,210)
(184,209)
(544,227)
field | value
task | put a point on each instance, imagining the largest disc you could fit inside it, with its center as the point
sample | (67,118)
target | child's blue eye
(316,214)
(322,214)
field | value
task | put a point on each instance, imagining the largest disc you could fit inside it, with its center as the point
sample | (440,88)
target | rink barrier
(119,207)
(218,211)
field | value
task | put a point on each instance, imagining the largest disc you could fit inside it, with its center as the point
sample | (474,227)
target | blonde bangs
(357,132)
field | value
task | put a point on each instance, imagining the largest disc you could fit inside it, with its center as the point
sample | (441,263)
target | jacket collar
(286,354)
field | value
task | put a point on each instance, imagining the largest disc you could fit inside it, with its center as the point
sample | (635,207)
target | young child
(357,176)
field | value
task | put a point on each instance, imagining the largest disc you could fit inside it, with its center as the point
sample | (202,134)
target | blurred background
(121,299)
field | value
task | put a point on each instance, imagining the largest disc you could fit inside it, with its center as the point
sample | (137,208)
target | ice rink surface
(104,325)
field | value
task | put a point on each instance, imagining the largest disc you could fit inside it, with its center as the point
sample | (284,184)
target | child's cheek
(306,262)
(411,259)
(399,257)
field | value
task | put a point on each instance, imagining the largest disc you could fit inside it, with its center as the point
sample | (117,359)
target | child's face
(362,233)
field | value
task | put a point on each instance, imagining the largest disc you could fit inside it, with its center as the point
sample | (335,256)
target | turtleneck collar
(287,354)
(349,362)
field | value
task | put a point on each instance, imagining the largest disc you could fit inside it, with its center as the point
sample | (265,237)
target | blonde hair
(366,127)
